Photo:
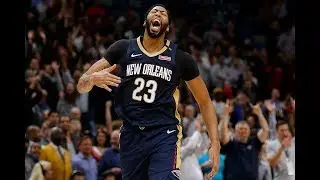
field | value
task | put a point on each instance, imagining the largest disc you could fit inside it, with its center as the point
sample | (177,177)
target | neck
(114,146)
(243,140)
(86,155)
(152,44)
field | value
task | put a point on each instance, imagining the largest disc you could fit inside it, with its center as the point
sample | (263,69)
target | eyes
(164,13)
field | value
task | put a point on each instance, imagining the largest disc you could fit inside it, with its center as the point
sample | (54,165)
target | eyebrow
(159,10)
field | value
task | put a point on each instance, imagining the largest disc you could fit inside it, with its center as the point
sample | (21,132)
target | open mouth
(155,25)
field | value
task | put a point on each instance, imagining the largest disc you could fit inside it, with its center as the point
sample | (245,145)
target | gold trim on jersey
(176,97)
(178,148)
(155,53)
(177,161)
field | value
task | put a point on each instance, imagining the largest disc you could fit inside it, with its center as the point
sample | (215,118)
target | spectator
(51,82)
(216,54)
(45,115)
(42,171)
(188,120)
(250,89)
(81,111)
(69,141)
(76,128)
(110,160)
(190,169)
(41,107)
(100,147)
(31,158)
(32,98)
(45,133)
(271,110)
(248,76)
(57,155)
(242,152)
(68,101)
(220,73)
(264,166)
(33,133)
(218,101)
(54,118)
(240,107)
(84,161)
(252,125)
(75,116)
(77,175)
(281,153)
(213,35)
(202,146)
(275,95)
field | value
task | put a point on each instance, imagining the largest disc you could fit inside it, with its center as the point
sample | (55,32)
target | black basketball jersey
(148,94)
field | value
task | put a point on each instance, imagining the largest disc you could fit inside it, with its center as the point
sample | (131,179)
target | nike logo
(169,132)
(135,55)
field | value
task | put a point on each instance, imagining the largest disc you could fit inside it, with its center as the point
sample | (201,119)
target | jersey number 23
(148,97)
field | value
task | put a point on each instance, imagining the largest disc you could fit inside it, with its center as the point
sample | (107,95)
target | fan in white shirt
(281,153)
(190,168)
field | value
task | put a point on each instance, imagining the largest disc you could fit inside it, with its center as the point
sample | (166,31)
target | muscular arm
(190,73)
(114,54)
(84,84)
(200,92)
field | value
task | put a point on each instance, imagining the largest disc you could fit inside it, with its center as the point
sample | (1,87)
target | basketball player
(147,99)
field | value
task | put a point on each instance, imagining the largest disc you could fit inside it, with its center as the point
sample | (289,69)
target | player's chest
(159,67)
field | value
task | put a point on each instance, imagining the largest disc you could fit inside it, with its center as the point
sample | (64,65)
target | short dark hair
(76,173)
(161,5)
(280,123)
(52,111)
(85,137)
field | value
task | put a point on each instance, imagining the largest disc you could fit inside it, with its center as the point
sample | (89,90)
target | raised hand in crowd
(223,125)
(271,107)
(264,131)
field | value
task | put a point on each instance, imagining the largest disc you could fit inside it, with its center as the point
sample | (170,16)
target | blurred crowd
(246,56)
